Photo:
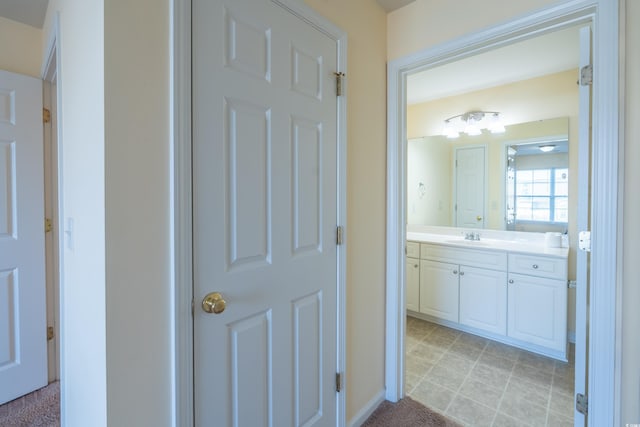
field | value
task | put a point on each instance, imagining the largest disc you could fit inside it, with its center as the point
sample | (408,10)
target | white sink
(466,242)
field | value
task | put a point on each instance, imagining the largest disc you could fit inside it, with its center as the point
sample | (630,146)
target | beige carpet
(406,413)
(40,408)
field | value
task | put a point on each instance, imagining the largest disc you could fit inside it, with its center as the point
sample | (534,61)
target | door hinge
(582,403)
(48,225)
(46,115)
(586,75)
(339,236)
(338,382)
(50,333)
(584,241)
(339,77)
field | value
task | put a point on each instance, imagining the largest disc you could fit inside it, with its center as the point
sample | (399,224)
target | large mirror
(536,98)
(516,180)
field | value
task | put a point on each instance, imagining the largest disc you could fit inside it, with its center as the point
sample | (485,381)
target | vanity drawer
(413,249)
(482,258)
(551,267)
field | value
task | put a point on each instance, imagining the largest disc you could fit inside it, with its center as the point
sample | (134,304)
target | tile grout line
(511,378)
(504,391)
(457,393)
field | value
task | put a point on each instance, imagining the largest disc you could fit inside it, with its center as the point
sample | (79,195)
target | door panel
(307,181)
(439,289)
(23,342)
(534,305)
(483,299)
(265,215)
(470,187)
(248,187)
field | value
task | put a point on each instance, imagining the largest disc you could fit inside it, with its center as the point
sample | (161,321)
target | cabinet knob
(535,266)
(462,273)
(455,271)
(510,280)
(415,265)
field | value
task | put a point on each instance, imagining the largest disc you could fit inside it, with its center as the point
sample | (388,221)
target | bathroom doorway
(398,188)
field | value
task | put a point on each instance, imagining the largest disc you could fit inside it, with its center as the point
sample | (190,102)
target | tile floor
(479,382)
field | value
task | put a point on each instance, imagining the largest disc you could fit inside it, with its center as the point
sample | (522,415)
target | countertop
(533,246)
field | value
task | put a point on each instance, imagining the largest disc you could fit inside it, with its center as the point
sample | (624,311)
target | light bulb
(449,130)
(496,125)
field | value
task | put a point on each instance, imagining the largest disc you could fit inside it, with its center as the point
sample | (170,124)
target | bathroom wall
(528,101)
(429,181)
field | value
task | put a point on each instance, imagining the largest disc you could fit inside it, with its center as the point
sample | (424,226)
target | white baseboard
(367,410)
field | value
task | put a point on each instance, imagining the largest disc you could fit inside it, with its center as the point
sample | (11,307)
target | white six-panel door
(264,216)
(23,341)
(470,186)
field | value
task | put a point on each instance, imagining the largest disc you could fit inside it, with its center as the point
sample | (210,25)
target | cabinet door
(439,289)
(413,284)
(537,310)
(483,299)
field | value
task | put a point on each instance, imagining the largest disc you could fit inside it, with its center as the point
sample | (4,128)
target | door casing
(603,15)
(181,206)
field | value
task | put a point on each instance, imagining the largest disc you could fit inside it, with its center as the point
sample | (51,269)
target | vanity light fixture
(547,148)
(472,123)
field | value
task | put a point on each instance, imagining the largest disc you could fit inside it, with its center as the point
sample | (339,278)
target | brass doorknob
(213,303)
(478,218)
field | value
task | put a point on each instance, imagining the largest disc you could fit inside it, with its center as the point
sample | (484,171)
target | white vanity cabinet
(466,286)
(517,296)
(537,310)
(439,289)
(413,276)
(483,299)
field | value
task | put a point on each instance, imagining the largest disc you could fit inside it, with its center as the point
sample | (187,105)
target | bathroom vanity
(507,286)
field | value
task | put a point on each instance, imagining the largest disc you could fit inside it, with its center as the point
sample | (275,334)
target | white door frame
(49,77)
(181,205)
(606,276)
(50,72)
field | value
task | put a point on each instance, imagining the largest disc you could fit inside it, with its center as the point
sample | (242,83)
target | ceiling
(30,12)
(561,146)
(535,57)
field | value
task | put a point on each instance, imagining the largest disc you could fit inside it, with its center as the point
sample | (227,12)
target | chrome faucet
(472,236)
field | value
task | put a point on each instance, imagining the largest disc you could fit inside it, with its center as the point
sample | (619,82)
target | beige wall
(137,199)
(631,271)
(20,48)
(546,97)
(425,23)
(365,24)
(527,101)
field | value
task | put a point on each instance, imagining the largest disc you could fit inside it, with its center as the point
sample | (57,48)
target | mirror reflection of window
(537,185)
(542,195)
